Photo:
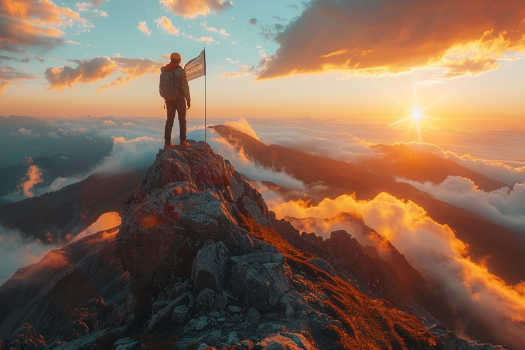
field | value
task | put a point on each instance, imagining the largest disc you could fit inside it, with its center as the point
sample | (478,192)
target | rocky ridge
(209,270)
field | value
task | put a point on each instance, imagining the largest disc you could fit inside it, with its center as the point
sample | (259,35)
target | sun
(417,115)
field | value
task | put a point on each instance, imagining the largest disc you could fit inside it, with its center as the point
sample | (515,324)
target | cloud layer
(434,250)
(505,207)
(383,37)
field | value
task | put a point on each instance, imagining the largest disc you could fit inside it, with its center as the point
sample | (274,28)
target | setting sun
(417,114)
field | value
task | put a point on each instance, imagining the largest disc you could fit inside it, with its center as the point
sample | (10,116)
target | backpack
(167,88)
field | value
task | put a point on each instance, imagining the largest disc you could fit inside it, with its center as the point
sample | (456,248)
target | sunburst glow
(417,114)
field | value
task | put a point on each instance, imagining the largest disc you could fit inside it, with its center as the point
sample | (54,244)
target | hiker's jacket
(180,81)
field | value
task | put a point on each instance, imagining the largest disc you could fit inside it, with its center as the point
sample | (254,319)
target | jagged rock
(187,197)
(180,313)
(201,322)
(323,265)
(54,345)
(234,309)
(206,300)
(260,257)
(449,339)
(127,344)
(1,345)
(233,338)
(246,344)
(253,314)
(165,313)
(276,276)
(299,340)
(221,301)
(209,267)
(26,338)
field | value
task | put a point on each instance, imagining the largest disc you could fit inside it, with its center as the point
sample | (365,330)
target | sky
(438,63)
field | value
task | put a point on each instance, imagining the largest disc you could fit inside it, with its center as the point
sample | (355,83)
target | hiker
(175,90)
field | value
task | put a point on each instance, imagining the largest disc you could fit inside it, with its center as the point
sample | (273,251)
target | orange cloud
(117,82)
(4,85)
(194,8)
(88,71)
(143,27)
(32,23)
(434,250)
(244,126)
(465,38)
(166,25)
(33,177)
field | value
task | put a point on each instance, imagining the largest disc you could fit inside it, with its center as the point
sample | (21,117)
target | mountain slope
(505,248)
(71,209)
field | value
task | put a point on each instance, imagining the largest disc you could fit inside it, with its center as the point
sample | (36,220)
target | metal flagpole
(205,124)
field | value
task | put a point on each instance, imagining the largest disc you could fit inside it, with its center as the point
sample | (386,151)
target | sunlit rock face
(187,197)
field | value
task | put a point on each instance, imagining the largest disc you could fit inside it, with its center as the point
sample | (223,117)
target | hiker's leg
(181,111)
(170,108)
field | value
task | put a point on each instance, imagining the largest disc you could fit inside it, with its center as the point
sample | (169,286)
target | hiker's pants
(178,105)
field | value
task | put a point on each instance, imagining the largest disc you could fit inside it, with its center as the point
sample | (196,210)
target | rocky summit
(210,267)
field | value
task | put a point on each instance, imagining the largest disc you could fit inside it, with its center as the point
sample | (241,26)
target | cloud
(8,73)
(28,23)
(433,250)
(194,8)
(17,252)
(384,37)
(143,27)
(88,71)
(98,14)
(205,38)
(32,177)
(253,21)
(117,82)
(109,122)
(234,74)
(129,154)
(4,85)
(166,25)
(223,32)
(25,132)
(504,206)
(98,2)
(243,126)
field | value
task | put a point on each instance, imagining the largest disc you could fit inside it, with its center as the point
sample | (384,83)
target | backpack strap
(181,91)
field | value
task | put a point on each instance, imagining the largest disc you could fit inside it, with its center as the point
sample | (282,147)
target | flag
(196,67)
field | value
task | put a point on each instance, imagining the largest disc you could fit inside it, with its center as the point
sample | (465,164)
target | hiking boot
(184,145)
(168,145)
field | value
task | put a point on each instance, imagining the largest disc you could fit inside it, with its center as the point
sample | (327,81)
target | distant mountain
(50,293)
(71,209)
(52,167)
(367,179)
(20,121)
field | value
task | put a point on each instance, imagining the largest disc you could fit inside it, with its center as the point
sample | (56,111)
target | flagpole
(205,101)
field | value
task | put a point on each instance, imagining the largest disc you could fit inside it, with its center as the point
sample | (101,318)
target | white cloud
(504,206)
(25,132)
(109,122)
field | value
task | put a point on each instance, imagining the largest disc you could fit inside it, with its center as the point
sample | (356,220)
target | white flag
(196,67)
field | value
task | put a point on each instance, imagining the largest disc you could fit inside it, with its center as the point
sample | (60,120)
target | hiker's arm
(185,87)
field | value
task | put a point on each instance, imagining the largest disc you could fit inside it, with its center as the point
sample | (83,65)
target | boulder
(209,267)
(253,288)
(206,300)
(180,313)
(127,344)
(449,339)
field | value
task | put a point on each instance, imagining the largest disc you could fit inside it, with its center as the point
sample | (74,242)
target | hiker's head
(175,57)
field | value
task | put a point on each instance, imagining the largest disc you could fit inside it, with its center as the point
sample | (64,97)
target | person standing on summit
(175,90)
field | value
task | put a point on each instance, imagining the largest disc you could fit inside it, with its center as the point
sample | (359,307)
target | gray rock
(209,266)
(159,305)
(323,265)
(221,301)
(201,323)
(253,315)
(165,313)
(276,276)
(234,309)
(246,344)
(127,344)
(180,313)
(233,338)
(279,342)
(206,299)
(253,288)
